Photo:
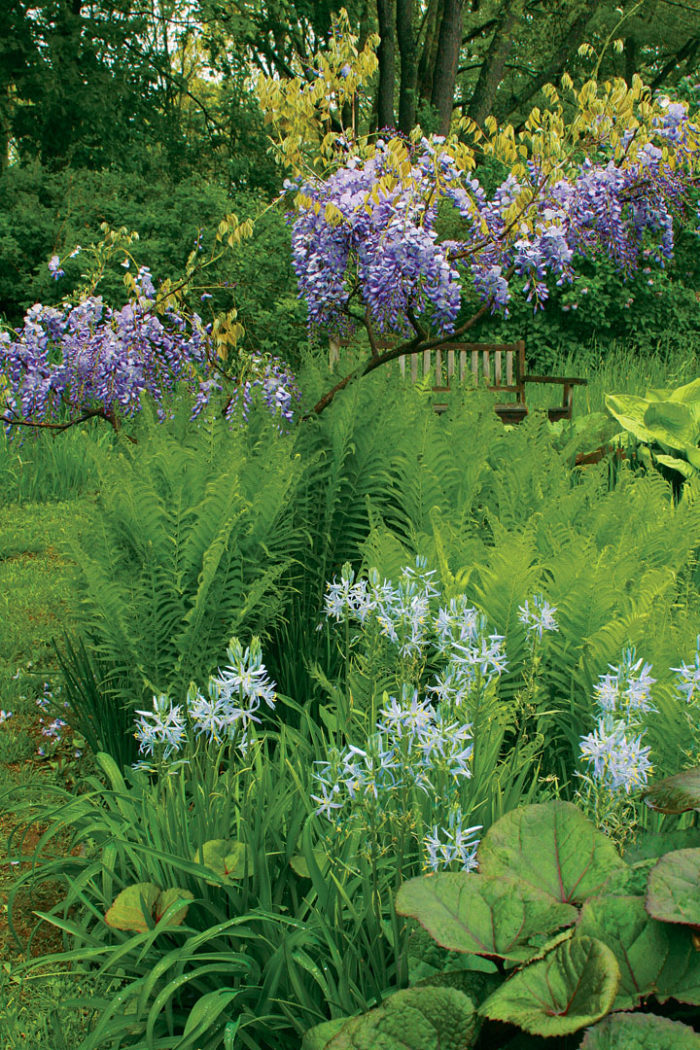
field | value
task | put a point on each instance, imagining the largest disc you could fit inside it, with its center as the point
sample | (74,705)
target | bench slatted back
(500,366)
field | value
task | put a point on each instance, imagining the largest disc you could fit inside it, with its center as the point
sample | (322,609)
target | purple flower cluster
(365,239)
(369,237)
(90,359)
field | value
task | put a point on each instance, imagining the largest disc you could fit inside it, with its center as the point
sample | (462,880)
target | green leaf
(681,465)
(229,859)
(640,1032)
(640,945)
(551,847)
(482,915)
(427,1018)
(676,794)
(426,959)
(570,988)
(673,890)
(672,423)
(629,410)
(655,844)
(207,1010)
(318,1037)
(300,865)
(142,905)
(133,908)
(171,899)
(680,977)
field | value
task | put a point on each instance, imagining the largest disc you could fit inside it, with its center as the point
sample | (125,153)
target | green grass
(618,370)
(36,604)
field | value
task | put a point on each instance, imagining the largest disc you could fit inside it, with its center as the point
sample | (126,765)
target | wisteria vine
(366,249)
(70,363)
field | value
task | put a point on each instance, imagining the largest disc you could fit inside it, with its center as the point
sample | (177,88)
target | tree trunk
(426,63)
(446,59)
(406,36)
(555,66)
(386,54)
(491,73)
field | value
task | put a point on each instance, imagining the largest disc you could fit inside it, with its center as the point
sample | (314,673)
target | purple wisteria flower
(365,240)
(90,359)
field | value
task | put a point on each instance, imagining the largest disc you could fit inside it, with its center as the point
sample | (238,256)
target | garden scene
(350,525)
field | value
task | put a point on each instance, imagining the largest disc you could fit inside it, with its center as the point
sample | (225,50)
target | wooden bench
(497,366)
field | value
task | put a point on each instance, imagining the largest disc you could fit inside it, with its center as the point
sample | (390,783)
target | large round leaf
(640,944)
(673,889)
(142,905)
(552,847)
(226,857)
(416,1019)
(133,908)
(676,794)
(680,977)
(485,916)
(570,988)
(640,1032)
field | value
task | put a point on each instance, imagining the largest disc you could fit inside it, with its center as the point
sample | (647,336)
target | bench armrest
(562,380)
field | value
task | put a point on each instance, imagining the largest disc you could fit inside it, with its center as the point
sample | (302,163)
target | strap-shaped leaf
(485,916)
(427,1018)
(640,1032)
(673,890)
(552,847)
(571,988)
(677,794)
(640,944)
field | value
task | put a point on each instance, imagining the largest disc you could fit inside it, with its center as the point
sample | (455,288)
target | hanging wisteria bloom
(69,363)
(365,242)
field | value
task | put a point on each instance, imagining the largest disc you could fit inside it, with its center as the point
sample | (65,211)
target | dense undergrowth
(198,533)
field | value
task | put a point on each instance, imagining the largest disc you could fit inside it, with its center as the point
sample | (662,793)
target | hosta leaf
(629,410)
(673,890)
(640,944)
(428,1018)
(482,915)
(676,794)
(672,423)
(570,988)
(551,847)
(674,463)
(687,394)
(167,899)
(640,1032)
(133,908)
(230,859)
